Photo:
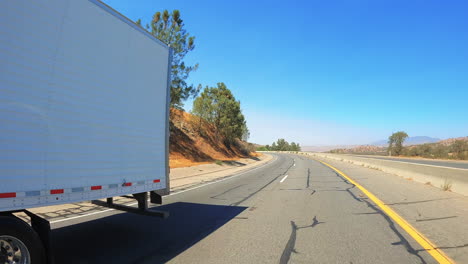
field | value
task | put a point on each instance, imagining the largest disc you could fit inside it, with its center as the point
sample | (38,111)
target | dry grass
(447,186)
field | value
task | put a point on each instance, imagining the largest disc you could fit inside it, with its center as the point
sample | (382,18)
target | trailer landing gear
(142,209)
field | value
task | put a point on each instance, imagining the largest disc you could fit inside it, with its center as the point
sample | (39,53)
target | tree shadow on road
(130,238)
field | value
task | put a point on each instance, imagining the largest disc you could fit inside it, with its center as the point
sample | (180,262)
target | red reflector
(127,184)
(56,191)
(158,180)
(7,195)
(98,187)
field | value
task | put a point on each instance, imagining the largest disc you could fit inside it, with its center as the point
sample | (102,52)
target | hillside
(450,141)
(369,148)
(452,148)
(416,140)
(193,142)
(364,149)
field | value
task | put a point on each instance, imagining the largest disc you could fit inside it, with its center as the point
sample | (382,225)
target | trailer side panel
(83,104)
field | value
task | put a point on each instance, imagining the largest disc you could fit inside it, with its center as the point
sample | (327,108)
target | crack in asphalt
(403,241)
(308,178)
(289,249)
(414,202)
(290,245)
(233,188)
(438,218)
(263,187)
(461,246)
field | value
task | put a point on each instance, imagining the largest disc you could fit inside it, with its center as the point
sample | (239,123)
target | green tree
(218,106)
(169,28)
(295,147)
(263,148)
(283,145)
(203,108)
(395,142)
(274,147)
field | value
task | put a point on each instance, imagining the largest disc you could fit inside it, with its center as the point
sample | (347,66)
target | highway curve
(292,210)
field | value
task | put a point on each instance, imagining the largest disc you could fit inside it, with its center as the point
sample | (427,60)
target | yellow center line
(435,252)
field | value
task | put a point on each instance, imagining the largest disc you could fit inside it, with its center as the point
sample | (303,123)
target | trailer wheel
(19,243)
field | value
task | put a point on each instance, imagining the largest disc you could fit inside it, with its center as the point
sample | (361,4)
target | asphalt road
(311,216)
(443,163)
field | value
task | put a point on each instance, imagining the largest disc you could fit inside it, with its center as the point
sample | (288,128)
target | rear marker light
(8,195)
(56,191)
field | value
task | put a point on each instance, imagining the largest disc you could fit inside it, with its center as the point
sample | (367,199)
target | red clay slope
(193,142)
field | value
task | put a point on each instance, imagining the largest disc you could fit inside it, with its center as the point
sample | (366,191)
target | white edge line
(284,178)
(186,190)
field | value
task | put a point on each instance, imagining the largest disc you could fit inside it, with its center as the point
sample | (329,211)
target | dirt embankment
(194,142)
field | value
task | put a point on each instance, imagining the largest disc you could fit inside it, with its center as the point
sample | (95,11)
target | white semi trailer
(84,106)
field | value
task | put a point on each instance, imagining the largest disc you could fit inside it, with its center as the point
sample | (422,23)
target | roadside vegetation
(281,145)
(395,143)
(216,129)
(218,106)
(169,28)
(455,148)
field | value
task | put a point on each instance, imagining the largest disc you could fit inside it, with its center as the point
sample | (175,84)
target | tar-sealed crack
(290,245)
(263,187)
(308,178)
(233,188)
(391,224)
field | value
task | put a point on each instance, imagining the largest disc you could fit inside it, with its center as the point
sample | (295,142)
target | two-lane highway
(293,210)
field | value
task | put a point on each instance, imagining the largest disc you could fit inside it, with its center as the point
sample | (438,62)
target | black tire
(15,227)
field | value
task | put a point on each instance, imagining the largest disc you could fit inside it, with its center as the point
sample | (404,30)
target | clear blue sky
(331,72)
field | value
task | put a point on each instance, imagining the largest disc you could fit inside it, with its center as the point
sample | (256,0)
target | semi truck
(84,109)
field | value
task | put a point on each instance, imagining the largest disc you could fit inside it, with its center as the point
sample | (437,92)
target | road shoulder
(440,216)
(188,177)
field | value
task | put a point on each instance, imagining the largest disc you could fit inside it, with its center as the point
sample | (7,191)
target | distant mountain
(417,140)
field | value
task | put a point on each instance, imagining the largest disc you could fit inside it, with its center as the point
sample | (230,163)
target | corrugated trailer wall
(83,104)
